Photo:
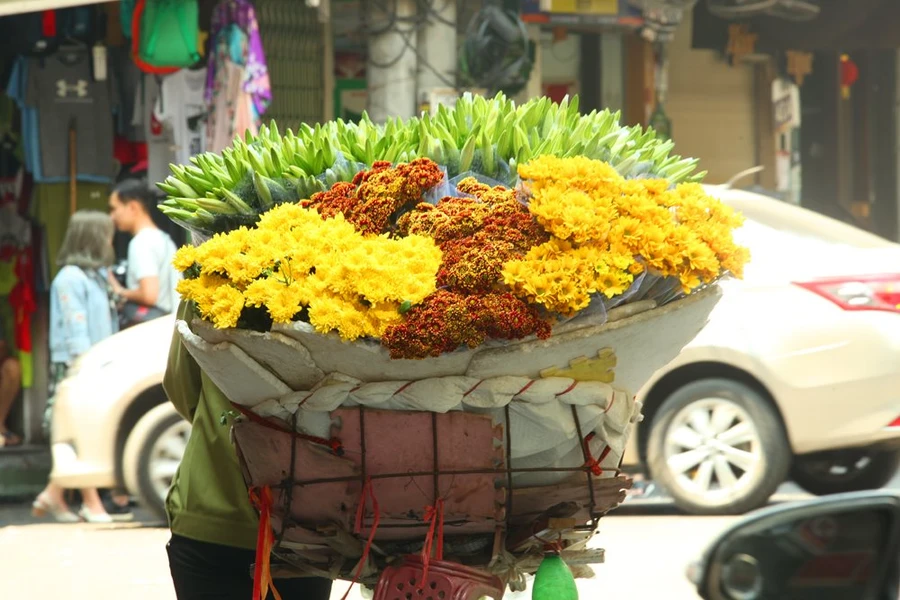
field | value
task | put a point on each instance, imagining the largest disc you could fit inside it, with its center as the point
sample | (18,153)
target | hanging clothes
(231,113)
(234,36)
(180,105)
(62,90)
(11,155)
(17,282)
(160,137)
(23,302)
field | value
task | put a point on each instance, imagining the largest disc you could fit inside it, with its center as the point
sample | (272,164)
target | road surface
(648,547)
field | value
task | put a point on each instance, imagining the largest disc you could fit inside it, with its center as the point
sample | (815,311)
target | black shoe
(119,514)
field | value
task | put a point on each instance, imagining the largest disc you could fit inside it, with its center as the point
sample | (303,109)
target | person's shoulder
(150,236)
(70,273)
(68,276)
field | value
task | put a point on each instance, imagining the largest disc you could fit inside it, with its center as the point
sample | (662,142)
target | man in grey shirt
(150,277)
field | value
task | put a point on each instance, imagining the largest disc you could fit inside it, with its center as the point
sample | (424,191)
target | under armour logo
(63,89)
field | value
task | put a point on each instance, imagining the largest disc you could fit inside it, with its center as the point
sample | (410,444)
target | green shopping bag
(165,34)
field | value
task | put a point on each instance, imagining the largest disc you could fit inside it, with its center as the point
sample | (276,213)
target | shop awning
(843,25)
(12,7)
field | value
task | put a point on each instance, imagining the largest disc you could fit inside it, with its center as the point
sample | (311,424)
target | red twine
(594,463)
(368,491)
(265,539)
(434,515)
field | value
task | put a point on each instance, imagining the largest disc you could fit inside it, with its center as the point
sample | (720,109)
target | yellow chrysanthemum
(185,258)
(294,260)
(606,230)
(227,304)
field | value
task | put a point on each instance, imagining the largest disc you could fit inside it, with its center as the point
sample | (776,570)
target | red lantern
(849,75)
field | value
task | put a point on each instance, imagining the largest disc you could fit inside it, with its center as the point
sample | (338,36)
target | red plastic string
(434,515)
(568,389)
(334,443)
(610,405)
(265,539)
(48,23)
(368,491)
(594,463)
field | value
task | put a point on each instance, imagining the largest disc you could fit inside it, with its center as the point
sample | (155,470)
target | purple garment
(242,15)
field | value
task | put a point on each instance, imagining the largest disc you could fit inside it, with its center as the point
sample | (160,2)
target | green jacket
(208,501)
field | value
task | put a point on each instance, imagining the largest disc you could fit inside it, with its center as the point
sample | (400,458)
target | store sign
(581,12)
(786,105)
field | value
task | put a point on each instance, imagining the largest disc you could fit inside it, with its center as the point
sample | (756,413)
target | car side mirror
(843,547)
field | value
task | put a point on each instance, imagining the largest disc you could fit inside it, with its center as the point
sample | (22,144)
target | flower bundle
(370,258)
(296,265)
(606,229)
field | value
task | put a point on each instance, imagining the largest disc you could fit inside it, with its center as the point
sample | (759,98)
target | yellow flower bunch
(572,198)
(294,260)
(607,229)
(562,277)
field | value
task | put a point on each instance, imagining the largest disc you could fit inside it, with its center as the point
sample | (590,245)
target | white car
(112,423)
(797,375)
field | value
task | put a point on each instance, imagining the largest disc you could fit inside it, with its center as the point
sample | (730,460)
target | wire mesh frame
(290,482)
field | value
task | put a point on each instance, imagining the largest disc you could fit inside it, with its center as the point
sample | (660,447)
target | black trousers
(203,571)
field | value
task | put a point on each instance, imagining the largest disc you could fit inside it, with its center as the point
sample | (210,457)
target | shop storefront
(829,136)
(707,104)
(85,106)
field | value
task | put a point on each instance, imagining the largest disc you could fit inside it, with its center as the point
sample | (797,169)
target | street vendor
(214,525)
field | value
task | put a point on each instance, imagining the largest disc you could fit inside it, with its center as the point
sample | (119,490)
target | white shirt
(181,105)
(150,254)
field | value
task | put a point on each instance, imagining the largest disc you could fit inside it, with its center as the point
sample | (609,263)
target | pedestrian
(82,313)
(10,384)
(150,277)
(214,526)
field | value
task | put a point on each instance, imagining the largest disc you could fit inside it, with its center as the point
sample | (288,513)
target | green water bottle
(554,580)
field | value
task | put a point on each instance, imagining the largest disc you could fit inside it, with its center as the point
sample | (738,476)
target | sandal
(90,517)
(8,439)
(43,505)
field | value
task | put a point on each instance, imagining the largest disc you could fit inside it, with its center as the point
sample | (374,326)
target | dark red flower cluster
(476,234)
(448,320)
(473,264)
(375,195)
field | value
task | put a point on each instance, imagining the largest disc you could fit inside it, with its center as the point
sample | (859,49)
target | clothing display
(72,70)
(25,73)
(181,105)
(231,112)
(159,136)
(128,81)
(10,142)
(66,95)
(234,35)
(17,282)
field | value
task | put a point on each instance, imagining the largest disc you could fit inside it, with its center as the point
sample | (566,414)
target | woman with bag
(82,313)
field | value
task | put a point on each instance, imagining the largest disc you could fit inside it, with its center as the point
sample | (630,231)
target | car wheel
(842,471)
(718,447)
(152,454)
